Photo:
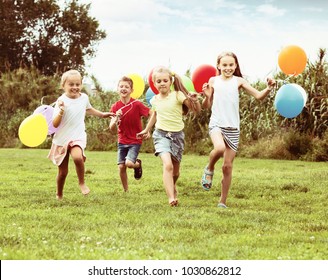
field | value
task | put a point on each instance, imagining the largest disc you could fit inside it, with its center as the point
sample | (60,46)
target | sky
(184,34)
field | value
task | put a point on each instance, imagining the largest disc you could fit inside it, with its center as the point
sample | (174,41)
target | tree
(41,33)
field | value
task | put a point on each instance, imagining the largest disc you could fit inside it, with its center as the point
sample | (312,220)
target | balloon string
(120,118)
(52,104)
(287,79)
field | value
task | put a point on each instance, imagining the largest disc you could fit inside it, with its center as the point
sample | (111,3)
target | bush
(268,147)
(297,144)
(319,150)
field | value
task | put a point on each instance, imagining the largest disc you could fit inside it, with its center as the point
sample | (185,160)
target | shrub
(297,144)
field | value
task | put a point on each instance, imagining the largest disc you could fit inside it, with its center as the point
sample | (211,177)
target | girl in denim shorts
(169,106)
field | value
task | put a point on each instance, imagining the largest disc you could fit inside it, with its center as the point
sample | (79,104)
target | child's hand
(144,134)
(119,113)
(271,83)
(193,97)
(207,89)
(108,114)
(61,105)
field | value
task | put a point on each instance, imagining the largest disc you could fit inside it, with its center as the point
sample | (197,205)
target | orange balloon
(292,60)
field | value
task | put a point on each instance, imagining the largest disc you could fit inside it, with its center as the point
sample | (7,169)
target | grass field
(277,210)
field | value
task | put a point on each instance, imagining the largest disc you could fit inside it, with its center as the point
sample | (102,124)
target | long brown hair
(237,71)
(176,81)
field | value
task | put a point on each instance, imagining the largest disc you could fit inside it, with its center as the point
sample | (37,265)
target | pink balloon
(47,111)
(201,75)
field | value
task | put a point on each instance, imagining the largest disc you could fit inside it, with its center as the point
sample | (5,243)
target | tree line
(39,39)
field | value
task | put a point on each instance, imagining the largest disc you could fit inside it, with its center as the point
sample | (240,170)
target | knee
(168,168)
(78,160)
(62,173)
(227,168)
(219,150)
(176,175)
(121,167)
(129,164)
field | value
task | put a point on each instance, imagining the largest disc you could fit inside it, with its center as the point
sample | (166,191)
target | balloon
(289,101)
(187,82)
(138,85)
(292,60)
(302,90)
(201,75)
(149,95)
(33,130)
(151,82)
(47,111)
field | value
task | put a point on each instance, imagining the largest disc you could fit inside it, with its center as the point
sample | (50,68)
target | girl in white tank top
(222,96)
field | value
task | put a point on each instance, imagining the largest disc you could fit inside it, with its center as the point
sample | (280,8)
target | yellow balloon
(33,130)
(138,85)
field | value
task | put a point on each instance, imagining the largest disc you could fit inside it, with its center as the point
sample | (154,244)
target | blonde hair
(67,74)
(177,85)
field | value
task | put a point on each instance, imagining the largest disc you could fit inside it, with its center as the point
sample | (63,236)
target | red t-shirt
(130,123)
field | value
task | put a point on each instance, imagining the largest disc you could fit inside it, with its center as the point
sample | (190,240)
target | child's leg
(132,161)
(168,176)
(61,176)
(176,174)
(123,176)
(215,154)
(77,155)
(130,164)
(218,149)
(229,156)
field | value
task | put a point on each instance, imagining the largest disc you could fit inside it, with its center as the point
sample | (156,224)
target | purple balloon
(47,111)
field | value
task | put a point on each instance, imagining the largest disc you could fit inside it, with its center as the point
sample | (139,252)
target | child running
(127,122)
(70,138)
(168,135)
(222,96)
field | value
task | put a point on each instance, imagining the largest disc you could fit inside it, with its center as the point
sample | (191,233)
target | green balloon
(187,82)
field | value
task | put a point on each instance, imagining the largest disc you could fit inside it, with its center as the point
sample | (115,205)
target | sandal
(222,205)
(207,184)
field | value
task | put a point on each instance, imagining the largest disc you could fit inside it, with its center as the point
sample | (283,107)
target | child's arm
(57,120)
(113,123)
(97,113)
(256,93)
(192,103)
(208,93)
(149,126)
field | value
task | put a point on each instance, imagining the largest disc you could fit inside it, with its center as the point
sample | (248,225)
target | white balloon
(302,90)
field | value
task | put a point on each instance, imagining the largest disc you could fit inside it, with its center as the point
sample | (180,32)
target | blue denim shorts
(127,151)
(169,142)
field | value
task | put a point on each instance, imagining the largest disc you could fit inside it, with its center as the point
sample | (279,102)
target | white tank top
(225,107)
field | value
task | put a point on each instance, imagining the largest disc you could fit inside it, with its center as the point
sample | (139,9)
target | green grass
(277,210)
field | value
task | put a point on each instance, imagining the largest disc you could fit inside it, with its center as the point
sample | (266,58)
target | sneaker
(138,171)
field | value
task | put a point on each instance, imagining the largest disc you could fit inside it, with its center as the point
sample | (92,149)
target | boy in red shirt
(128,123)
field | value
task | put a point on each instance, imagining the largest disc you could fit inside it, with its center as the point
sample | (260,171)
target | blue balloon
(289,101)
(149,95)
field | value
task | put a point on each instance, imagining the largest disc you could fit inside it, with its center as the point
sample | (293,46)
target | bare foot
(174,203)
(84,189)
